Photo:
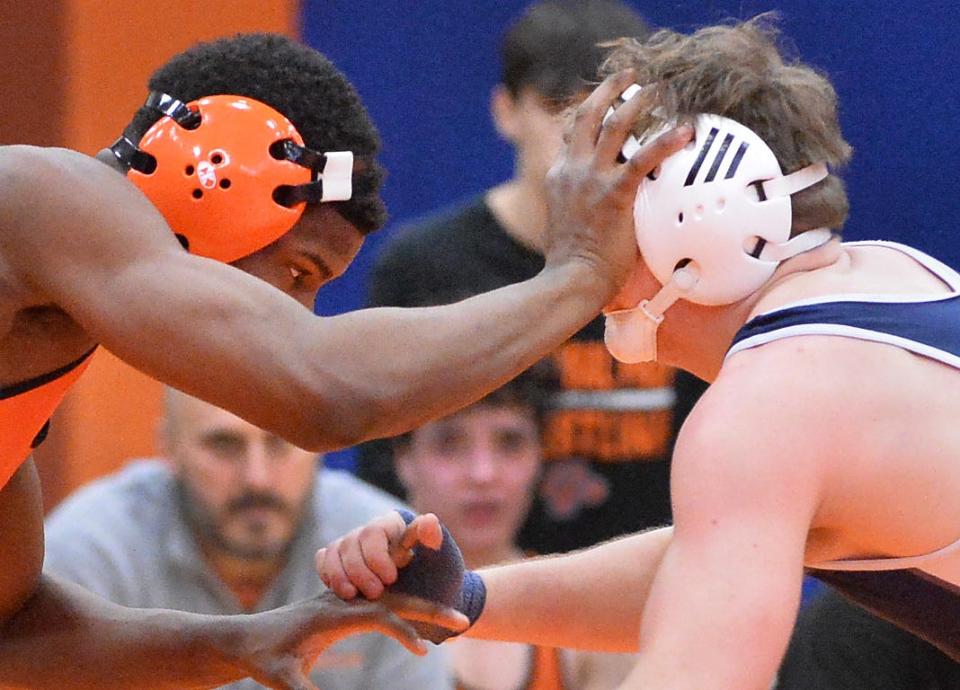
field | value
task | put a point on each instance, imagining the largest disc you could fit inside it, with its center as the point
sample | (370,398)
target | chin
(255,551)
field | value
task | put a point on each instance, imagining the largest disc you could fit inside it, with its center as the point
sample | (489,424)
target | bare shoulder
(23,166)
(793,379)
(773,414)
(68,212)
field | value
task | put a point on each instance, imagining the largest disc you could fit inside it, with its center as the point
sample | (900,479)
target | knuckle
(368,531)
(616,121)
(587,110)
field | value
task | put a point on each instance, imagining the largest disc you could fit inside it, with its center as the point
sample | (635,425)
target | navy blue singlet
(920,594)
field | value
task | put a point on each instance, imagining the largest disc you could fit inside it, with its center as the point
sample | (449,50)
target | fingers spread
(651,155)
(618,125)
(390,624)
(589,114)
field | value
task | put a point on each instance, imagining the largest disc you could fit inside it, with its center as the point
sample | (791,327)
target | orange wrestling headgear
(230,174)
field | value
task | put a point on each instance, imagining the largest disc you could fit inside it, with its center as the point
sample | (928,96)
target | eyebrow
(322,267)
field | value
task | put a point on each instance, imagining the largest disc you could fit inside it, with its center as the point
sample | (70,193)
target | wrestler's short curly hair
(744,72)
(293,79)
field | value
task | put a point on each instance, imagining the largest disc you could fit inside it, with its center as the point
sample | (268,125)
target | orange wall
(105,52)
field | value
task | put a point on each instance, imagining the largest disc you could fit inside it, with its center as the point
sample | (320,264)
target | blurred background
(75,70)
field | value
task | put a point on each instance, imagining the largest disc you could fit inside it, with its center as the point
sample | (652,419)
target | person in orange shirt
(193,249)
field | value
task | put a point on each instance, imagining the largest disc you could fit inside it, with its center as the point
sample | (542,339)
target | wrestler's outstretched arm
(87,241)
(55,635)
(590,600)
(713,598)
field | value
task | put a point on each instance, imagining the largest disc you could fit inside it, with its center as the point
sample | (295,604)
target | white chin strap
(798,180)
(631,334)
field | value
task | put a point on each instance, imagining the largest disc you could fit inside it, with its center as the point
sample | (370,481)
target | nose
(257,472)
(483,464)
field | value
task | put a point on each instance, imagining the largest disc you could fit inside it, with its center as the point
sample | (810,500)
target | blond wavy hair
(740,71)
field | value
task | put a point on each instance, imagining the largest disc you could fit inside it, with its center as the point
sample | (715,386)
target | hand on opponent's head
(411,564)
(590,193)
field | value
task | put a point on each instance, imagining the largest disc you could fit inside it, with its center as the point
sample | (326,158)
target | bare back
(892,483)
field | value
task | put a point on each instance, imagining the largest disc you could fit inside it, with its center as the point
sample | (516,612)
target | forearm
(64,637)
(591,599)
(411,365)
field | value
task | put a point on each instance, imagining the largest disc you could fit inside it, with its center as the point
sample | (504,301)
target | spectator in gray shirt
(227,522)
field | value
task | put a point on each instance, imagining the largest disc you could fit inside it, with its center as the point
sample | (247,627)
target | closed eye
(321,267)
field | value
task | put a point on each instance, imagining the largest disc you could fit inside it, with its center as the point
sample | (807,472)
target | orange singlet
(546,671)
(25,409)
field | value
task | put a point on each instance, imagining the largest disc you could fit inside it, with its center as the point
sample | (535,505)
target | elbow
(334,420)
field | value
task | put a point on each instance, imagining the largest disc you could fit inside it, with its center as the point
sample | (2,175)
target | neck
(501,553)
(520,207)
(696,337)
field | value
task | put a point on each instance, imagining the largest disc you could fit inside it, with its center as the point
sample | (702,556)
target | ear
(503,110)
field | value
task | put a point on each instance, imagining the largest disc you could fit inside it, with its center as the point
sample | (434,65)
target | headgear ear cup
(230,174)
(214,184)
(712,225)
(708,207)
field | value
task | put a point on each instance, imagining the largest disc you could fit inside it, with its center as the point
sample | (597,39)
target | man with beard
(226,523)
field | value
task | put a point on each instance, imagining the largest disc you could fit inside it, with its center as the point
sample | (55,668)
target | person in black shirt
(609,435)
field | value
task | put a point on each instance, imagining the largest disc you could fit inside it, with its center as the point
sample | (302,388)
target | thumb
(425,529)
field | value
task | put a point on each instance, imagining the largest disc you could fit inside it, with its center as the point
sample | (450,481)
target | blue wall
(425,69)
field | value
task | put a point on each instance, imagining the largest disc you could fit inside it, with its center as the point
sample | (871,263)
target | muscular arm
(227,337)
(747,480)
(87,241)
(715,597)
(55,635)
(720,588)
(590,600)
(44,618)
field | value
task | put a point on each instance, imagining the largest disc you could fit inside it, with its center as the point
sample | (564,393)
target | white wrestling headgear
(713,223)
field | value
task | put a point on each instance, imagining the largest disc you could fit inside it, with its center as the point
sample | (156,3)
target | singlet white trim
(935,266)
(848,332)
(888,563)
(940,270)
